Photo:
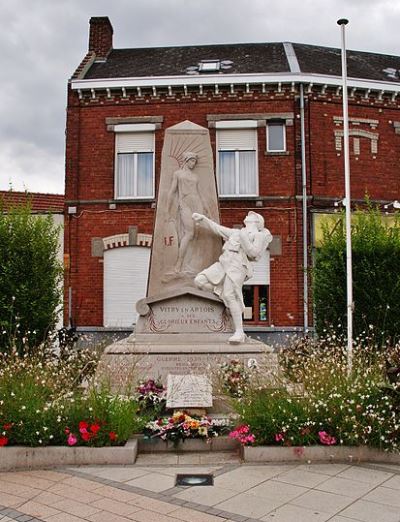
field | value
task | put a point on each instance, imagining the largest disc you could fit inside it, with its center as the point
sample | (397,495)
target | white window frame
(272,123)
(132,128)
(237,124)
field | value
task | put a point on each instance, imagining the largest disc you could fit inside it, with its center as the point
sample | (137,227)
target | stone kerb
(23,457)
(307,454)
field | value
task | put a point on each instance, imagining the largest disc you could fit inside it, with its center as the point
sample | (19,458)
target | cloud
(42,43)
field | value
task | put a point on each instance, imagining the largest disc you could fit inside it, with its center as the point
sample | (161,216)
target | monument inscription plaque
(189,391)
(184,314)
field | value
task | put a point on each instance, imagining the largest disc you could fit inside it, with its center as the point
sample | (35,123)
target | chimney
(100,36)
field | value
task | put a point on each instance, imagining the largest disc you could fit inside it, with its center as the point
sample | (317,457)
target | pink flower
(279,437)
(243,435)
(72,440)
(326,439)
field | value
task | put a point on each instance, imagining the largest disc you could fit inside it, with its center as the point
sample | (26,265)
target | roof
(39,202)
(248,58)
(174,61)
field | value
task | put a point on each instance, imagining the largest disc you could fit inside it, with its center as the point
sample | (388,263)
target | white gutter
(235,79)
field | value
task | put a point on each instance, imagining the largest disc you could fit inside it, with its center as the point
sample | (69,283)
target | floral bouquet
(182,426)
(234,377)
(151,395)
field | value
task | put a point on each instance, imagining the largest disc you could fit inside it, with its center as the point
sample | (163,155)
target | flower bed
(23,457)
(43,404)
(335,409)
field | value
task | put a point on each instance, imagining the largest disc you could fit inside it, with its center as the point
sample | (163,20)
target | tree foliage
(376,276)
(30,276)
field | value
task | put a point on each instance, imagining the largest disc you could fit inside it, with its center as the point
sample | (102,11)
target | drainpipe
(304,200)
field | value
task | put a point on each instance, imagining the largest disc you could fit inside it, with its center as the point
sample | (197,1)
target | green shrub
(30,276)
(376,278)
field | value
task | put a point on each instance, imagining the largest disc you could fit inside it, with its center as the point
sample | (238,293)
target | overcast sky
(42,42)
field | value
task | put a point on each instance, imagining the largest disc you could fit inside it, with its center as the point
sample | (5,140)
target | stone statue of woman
(226,277)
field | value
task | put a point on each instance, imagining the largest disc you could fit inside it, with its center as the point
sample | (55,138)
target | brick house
(274,111)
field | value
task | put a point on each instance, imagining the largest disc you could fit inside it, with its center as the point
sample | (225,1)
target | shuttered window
(134,176)
(237,160)
(125,282)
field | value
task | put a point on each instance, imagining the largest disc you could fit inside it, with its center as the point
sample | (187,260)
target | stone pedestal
(158,355)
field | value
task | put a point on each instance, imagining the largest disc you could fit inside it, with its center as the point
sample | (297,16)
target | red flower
(94,428)
(3,441)
(67,431)
(83,426)
(113,436)
(7,426)
(86,436)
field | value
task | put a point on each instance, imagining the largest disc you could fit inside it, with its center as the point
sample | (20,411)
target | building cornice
(231,80)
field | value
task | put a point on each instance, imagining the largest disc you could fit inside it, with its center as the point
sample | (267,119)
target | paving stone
(76,508)
(371,512)
(38,510)
(382,495)
(188,515)
(368,476)
(393,483)
(249,505)
(290,513)
(322,501)
(346,487)
(119,508)
(106,516)
(208,495)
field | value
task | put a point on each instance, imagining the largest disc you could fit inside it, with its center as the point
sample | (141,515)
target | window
(256,292)
(256,301)
(276,136)
(209,65)
(237,168)
(134,163)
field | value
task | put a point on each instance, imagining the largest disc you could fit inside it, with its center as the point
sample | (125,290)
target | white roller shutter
(125,281)
(135,142)
(261,271)
(237,139)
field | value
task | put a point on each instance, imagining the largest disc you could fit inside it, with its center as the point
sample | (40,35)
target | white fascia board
(227,79)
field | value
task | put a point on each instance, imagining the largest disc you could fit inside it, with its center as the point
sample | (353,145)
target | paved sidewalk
(146,492)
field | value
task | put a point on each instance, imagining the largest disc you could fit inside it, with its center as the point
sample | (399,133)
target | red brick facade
(90,157)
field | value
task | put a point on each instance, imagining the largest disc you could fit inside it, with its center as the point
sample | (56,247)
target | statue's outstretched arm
(224,232)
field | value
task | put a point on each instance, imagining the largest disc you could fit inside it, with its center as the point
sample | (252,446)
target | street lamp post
(349,275)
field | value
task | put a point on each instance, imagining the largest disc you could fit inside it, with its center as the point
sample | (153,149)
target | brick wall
(90,178)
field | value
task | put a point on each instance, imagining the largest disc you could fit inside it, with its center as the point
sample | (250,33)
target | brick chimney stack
(100,36)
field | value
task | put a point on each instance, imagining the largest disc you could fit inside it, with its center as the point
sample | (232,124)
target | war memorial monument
(191,319)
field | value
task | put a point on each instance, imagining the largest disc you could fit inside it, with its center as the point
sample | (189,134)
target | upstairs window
(134,162)
(276,136)
(237,168)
